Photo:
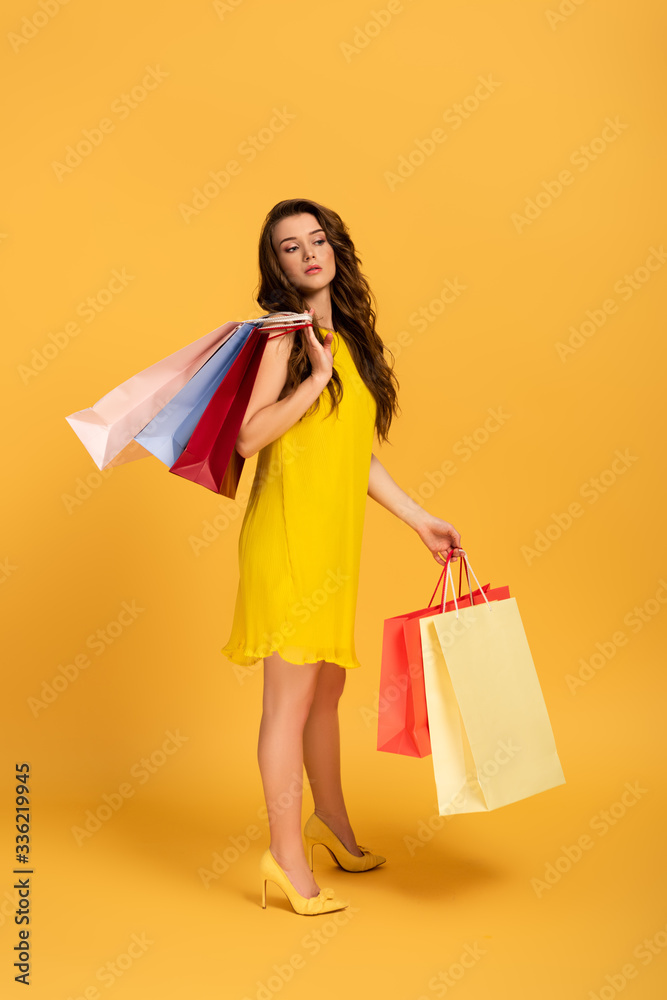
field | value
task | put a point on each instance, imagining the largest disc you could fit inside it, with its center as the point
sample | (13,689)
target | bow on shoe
(316,903)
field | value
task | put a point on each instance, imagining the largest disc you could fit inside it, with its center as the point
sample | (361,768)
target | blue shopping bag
(168,433)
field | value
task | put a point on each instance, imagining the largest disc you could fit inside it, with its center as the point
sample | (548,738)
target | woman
(311,419)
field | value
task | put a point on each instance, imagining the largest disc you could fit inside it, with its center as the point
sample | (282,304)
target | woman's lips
(313,270)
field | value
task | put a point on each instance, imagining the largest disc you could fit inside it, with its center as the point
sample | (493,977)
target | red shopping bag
(402,713)
(210,458)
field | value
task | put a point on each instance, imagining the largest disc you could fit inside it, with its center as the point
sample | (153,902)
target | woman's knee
(330,684)
(289,688)
(287,716)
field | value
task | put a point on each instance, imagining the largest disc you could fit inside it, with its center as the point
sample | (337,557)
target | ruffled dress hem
(245,657)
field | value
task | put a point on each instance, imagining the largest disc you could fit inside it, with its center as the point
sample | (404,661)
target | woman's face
(305,255)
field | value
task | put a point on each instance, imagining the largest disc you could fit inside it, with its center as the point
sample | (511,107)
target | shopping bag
(402,712)
(111,429)
(107,429)
(491,738)
(210,457)
(167,434)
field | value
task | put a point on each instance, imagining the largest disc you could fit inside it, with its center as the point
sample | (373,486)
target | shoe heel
(264,881)
(317,832)
(333,856)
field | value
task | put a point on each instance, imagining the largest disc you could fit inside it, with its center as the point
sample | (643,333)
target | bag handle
(285,329)
(284,321)
(443,579)
(448,575)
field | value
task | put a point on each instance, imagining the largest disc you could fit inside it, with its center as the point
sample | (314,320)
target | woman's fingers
(441,555)
(319,354)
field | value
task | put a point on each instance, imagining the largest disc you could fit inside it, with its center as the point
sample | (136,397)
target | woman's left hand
(439,537)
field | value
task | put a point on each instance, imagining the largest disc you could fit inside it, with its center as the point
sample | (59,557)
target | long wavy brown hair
(353,314)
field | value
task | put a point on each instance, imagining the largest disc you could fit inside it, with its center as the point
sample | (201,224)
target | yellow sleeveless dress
(300,541)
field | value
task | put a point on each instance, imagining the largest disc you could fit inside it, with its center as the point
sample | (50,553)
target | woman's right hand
(321,358)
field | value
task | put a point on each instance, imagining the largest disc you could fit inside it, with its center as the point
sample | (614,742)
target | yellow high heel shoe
(317,832)
(325,902)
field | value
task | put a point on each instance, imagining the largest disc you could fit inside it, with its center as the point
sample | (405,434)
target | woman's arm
(266,416)
(439,536)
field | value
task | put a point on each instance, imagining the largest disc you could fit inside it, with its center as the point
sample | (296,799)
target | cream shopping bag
(491,738)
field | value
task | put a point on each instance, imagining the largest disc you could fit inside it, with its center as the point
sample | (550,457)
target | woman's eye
(295,247)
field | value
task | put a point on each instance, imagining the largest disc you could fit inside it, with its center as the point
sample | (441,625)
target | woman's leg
(321,754)
(289,689)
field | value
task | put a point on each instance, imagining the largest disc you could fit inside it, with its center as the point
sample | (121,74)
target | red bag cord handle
(443,577)
(286,329)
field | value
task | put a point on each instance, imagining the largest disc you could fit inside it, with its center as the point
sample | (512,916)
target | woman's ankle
(340,826)
(338,819)
(289,856)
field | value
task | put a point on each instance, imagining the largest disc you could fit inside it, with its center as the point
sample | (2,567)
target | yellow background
(360,98)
